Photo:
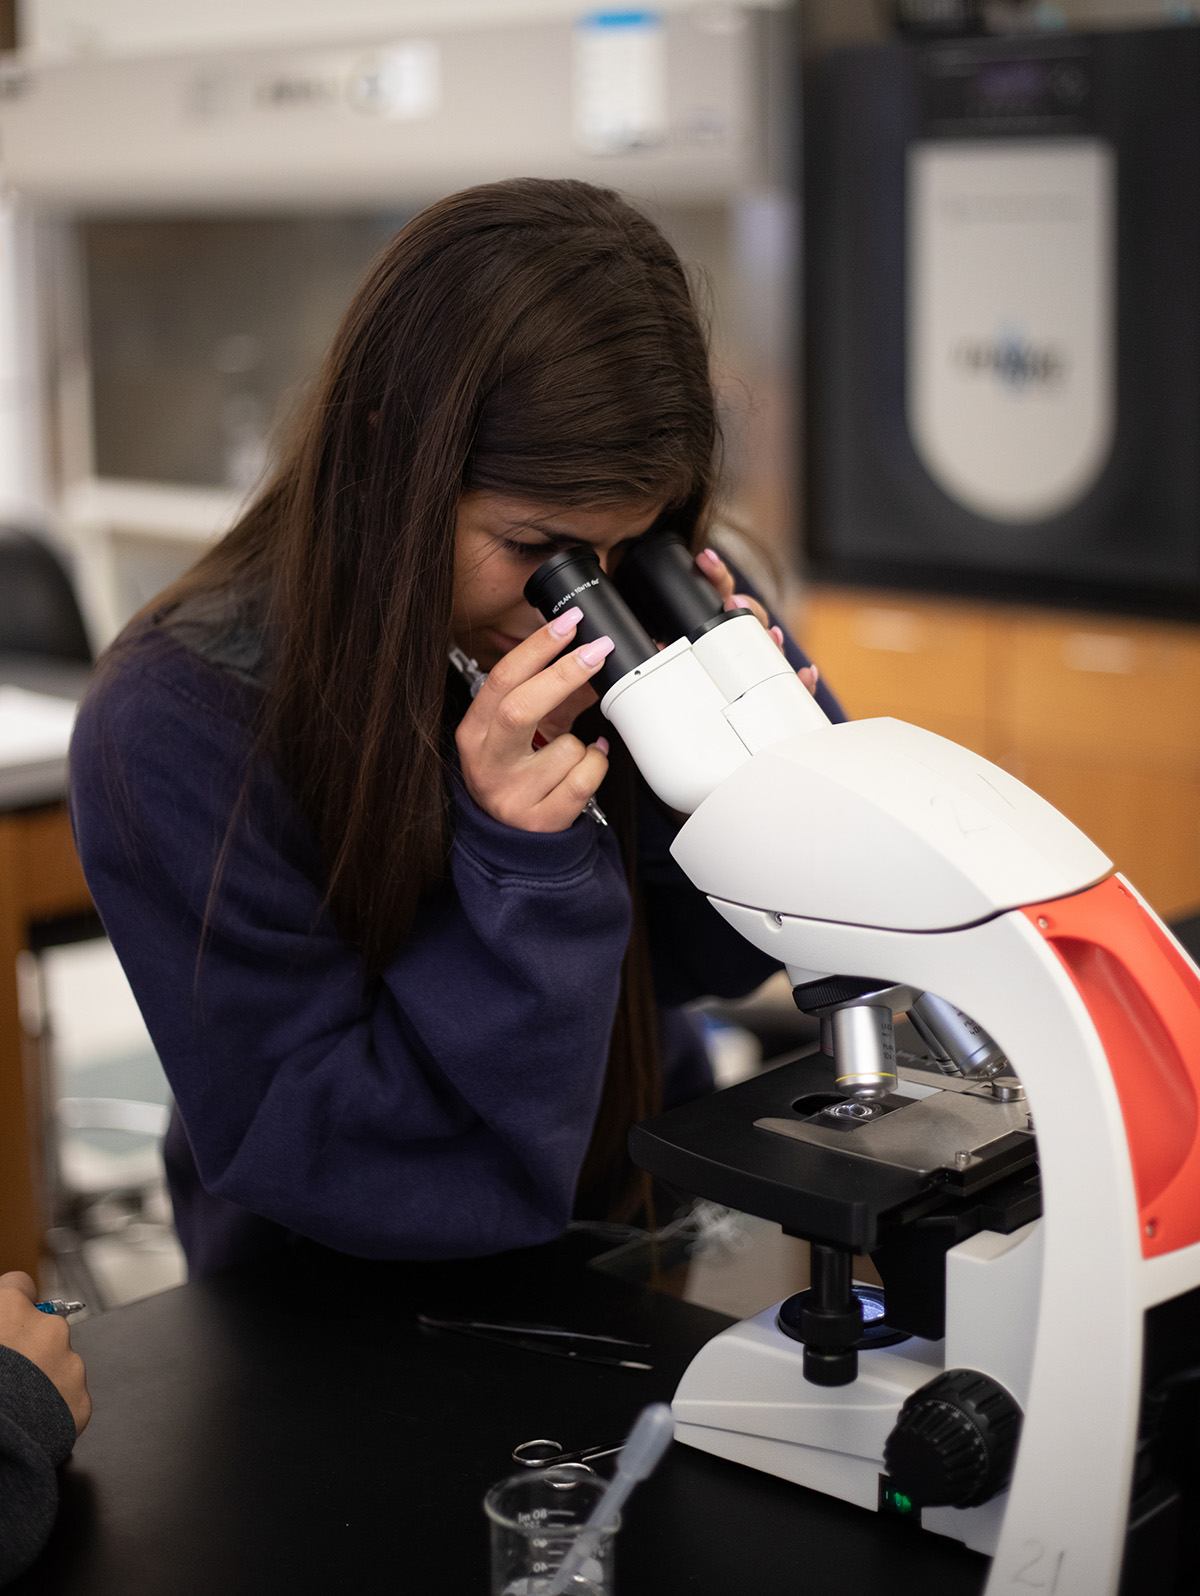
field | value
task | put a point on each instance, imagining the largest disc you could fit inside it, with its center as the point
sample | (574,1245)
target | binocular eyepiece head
(656,596)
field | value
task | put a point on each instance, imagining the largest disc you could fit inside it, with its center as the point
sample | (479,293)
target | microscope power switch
(954,1441)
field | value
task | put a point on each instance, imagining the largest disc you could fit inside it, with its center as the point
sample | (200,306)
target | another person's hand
(528,693)
(721,577)
(44,1339)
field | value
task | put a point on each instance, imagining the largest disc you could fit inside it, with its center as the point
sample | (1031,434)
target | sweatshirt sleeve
(37,1433)
(443,1112)
(696,952)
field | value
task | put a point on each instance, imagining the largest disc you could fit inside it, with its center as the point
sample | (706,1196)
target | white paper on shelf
(620,81)
(33,726)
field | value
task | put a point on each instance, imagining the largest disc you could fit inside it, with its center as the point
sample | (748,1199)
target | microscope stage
(770,1146)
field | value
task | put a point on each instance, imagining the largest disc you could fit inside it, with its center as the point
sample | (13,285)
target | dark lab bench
(290,1428)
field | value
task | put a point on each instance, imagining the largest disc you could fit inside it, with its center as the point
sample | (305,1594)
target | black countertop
(290,1428)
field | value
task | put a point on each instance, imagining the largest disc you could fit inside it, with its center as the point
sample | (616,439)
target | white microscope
(1013,1385)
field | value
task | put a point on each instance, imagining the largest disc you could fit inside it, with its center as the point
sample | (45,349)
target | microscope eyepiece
(658,578)
(575,576)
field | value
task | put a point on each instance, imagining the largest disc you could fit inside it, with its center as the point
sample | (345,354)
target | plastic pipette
(647,1442)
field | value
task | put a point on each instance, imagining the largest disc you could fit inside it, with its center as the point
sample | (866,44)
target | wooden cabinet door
(1099,714)
(1146,821)
(1102,717)
(1124,692)
(921,662)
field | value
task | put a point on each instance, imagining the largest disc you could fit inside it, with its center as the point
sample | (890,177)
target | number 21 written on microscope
(1042,1569)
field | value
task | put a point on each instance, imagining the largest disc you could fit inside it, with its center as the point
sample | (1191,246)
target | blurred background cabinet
(1100,715)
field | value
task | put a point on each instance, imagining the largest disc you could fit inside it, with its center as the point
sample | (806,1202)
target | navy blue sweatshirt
(444,1111)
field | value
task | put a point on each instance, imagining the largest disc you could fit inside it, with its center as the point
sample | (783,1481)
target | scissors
(544,1454)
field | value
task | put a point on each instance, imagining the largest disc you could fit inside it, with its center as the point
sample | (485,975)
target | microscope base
(744,1397)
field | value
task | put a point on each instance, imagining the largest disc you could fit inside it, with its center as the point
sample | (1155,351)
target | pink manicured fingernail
(602,744)
(739,601)
(567,622)
(710,558)
(777,634)
(592,653)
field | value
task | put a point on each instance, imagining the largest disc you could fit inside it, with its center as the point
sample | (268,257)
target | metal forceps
(548,1338)
(545,1454)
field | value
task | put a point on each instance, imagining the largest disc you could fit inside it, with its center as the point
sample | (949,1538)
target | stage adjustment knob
(954,1441)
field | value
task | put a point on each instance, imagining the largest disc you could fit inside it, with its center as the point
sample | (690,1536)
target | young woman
(408,995)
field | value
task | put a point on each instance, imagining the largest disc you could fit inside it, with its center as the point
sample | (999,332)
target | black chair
(43,646)
(39,613)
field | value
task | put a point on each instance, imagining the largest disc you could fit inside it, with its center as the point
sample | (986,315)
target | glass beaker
(535,1518)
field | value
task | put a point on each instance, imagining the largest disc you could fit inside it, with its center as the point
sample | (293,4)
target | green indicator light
(892,1500)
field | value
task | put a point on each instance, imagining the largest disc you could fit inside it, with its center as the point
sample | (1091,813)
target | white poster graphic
(1011,321)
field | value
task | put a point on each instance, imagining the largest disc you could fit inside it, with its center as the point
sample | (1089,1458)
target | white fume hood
(386,113)
(169,160)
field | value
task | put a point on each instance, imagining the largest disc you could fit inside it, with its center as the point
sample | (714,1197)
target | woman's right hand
(523,786)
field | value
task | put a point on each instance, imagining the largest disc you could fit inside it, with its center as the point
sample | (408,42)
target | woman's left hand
(45,1340)
(721,577)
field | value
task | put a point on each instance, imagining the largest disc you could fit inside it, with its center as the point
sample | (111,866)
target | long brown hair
(531,337)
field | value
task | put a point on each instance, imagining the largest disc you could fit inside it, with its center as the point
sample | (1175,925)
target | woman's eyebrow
(566,539)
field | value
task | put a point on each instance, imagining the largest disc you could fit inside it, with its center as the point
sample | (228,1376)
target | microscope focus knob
(954,1441)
